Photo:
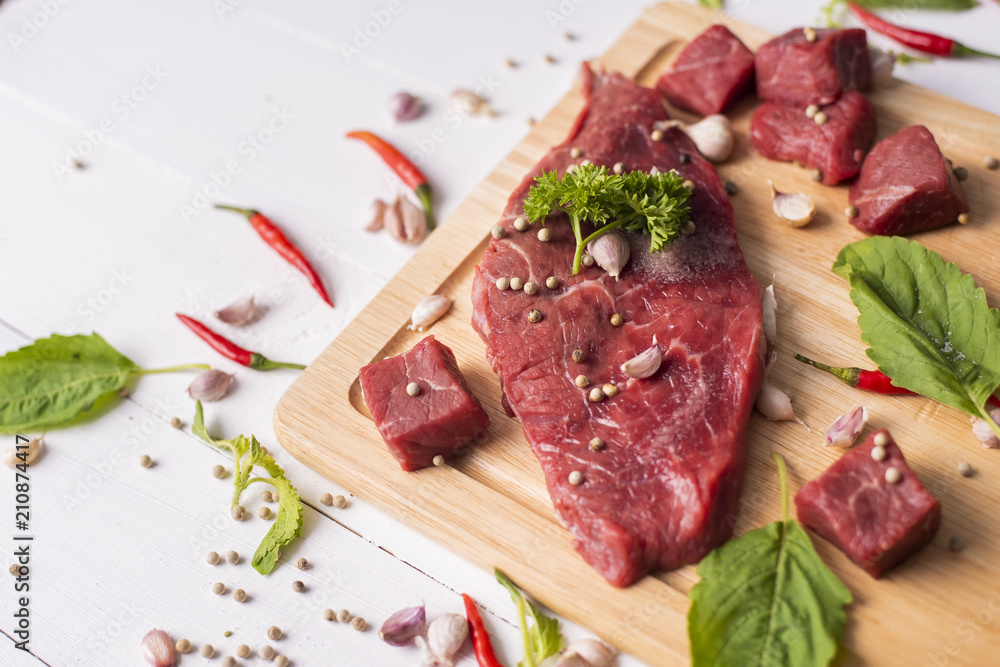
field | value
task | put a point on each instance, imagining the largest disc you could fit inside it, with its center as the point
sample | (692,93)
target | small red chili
(876,380)
(231,350)
(406,170)
(480,637)
(277,240)
(924,42)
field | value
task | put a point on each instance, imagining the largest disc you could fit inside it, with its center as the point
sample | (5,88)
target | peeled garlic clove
(413,222)
(429,311)
(210,386)
(445,635)
(770,306)
(712,135)
(403,106)
(34,448)
(157,649)
(795,209)
(404,626)
(846,428)
(882,64)
(376,216)
(984,434)
(645,363)
(588,652)
(611,251)
(469,103)
(241,312)
(775,405)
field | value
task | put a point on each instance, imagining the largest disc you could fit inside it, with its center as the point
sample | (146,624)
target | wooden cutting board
(491,507)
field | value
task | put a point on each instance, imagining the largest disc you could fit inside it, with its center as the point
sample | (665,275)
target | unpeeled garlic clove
(376,216)
(405,222)
(157,649)
(212,385)
(712,135)
(445,636)
(796,209)
(588,652)
(404,626)
(846,428)
(644,364)
(429,311)
(34,448)
(882,64)
(241,312)
(775,404)
(403,106)
(770,307)
(469,103)
(984,434)
(611,251)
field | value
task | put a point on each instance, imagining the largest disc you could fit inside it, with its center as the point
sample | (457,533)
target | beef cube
(711,74)
(796,72)
(837,147)
(906,186)
(441,419)
(876,522)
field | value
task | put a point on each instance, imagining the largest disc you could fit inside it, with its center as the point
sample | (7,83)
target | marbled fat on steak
(663,490)
(711,74)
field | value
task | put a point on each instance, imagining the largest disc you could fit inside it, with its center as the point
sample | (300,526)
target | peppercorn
(991,162)
(530,288)
(218,471)
(516,283)
(302,564)
(575,152)
(965,469)
(213,558)
(820,118)
(239,512)
(610,389)
(359,624)
(520,224)
(881,440)
(503,283)
(281,661)
(265,496)
(340,502)
(264,512)
(956,544)
(298,586)
(552,282)
(219,588)
(816,175)
(227,633)
(176,422)
(544,234)
(878,453)
(326,499)
(232,557)
(183,646)
(229,661)
(963,218)
(581,381)
(688,184)
(617,320)
(243,651)
(413,389)
(596,395)
(240,595)
(438,460)
(618,168)
(578,356)
(329,615)
(344,616)
(207,651)
(576,478)
(731,188)
(596,444)
(689,228)
(811,111)
(851,211)
(892,475)
(274,633)
(266,651)
(145,461)
(656,135)
(810,34)
(534,315)
(961,173)
(587,260)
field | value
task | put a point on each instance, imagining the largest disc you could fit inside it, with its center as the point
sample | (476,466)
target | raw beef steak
(837,147)
(796,72)
(906,186)
(662,490)
(711,74)
(441,419)
(877,523)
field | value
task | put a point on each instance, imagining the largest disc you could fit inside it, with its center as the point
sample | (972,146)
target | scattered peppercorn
(820,118)
(413,389)
(965,469)
(576,478)
(656,135)
(816,175)
(549,59)
(329,615)
(302,564)
(145,461)
(265,496)
(516,283)
(552,282)
(581,381)
(274,633)
(618,168)
(498,232)
(229,661)
(240,595)
(597,444)
(207,651)
(266,651)
(578,356)
(878,453)
(881,440)
(218,471)
(596,395)
(809,34)
(892,475)
(520,224)
(617,320)
(281,661)
(587,260)
(530,288)
(183,646)
(534,315)
(688,184)
(851,211)
(438,460)
(176,422)
(264,513)
(961,173)
(510,63)
(731,188)
(232,557)
(568,36)
(544,234)
(340,502)
(15,569)
(344,616)
(243,651)
(359,624)
(963,218)
(239,512)
(689,228)
(503,283)
(956,543)
(610,389)
(213,558)
(298,586)
(326,499)
(575,152)
(811,111)
(219,588)
(991,162)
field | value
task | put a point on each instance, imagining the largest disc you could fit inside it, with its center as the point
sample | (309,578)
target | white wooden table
(169,105)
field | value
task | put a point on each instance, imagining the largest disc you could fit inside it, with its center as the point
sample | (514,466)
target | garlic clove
(846,428)
(392,219)
(769,358)
(882,64)
(796,209)
(588,652)
(34,448)
(611,251)
(712,135)
(376,216)
(468,103)
(984,434)
(644,364)
(775,404)
(413,222)
(429,311)
(404,626)
(445,636)
(157,649)
(241,312)
(403,106)
(770,307)
(212,385)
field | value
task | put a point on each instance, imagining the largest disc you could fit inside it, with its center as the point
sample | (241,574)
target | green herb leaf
(711,4)
(247,454)
(927,325)
(947,5)
(54,380)
(767,599)
(543,639)
(633,202)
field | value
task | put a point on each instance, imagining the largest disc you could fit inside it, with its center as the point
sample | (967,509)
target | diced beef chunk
(711,74)
(441,419)
(906,186)
(796,72)
(837,147)
(876,522)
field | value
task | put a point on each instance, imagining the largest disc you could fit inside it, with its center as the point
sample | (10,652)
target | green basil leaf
(711,4)
(766,599)
(54,380)
(286,527)
(927,325)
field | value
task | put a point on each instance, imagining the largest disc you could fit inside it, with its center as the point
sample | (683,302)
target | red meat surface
(441,419)
(837,148)
(711,74)
(878,524)
(663,490)
(906,186)
(795,72)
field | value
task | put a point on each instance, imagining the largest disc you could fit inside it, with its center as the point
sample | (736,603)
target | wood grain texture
(491,506)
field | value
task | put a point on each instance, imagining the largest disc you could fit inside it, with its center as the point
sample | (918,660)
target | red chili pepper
(231,350)
(921,41)
(480,637)
(277,240)
(876,380)
(406,170)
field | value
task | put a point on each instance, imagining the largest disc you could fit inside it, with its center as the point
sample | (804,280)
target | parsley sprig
(636,201)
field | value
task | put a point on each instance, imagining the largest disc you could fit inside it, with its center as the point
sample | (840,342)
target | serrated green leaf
(712,4)
(542,639)
(927,325)
(54,380)
(766,599)
(286,527)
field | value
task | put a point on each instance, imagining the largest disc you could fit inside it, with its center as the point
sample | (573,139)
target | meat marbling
(711,74)
(793,71)
(663,490)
